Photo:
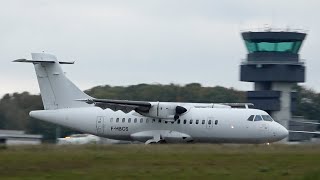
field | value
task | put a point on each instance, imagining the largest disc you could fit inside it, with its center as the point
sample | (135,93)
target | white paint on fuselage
(232,126)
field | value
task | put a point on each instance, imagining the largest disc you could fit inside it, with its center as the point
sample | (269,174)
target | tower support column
(283,116)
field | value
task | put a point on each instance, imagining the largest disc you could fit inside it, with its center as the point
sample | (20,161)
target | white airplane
(148,122)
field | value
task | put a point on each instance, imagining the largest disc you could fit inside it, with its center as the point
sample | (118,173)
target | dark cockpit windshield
(260,118)
(267,118)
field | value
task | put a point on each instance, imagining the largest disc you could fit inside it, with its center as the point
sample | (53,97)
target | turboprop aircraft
(148,122)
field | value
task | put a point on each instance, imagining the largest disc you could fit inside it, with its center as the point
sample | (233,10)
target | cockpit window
(251,118)
(267,118)
(258,118)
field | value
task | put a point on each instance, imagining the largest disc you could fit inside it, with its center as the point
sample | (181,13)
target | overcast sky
(125,42)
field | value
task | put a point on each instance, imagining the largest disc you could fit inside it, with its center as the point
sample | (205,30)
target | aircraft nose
(282,132)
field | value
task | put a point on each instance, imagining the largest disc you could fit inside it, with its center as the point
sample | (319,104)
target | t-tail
(57,91)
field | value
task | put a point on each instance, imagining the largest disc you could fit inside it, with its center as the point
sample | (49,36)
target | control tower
(273,64)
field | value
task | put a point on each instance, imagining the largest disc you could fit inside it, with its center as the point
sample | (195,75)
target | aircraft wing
(306,132)
(123,105)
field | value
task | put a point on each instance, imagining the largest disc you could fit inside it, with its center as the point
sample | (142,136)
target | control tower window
(291,47)
(252,47)
(266,46)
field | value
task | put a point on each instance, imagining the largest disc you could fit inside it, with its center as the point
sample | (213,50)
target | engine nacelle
(164,110)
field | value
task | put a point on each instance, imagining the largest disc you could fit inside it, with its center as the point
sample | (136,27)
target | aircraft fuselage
(207,125)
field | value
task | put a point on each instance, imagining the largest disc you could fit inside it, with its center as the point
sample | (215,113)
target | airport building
(274,66)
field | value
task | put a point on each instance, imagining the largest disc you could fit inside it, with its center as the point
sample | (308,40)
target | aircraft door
(210,122)
(99,125)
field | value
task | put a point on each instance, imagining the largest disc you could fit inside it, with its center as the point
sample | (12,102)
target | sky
(125,42)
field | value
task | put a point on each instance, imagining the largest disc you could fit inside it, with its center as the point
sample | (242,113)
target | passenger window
(251,118)
(123,120)
(197,121)
(135,120)
(216,122)
(166,122)
(178,121)
(159,120)
(172,122)
(129,120)
(111,120)
(258,118)
(184,121)
(203,121)
(117,120)
(267,118)
(209,122)
(190,121)
(141,120)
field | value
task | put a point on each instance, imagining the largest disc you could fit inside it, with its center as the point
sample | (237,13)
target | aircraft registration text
(119,128)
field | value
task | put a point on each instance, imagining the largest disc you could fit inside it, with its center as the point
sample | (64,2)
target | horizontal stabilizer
(42,61)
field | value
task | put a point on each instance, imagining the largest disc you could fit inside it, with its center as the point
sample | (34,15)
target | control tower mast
(273,64)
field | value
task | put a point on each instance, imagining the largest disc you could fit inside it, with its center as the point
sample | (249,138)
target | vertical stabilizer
(57,91)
